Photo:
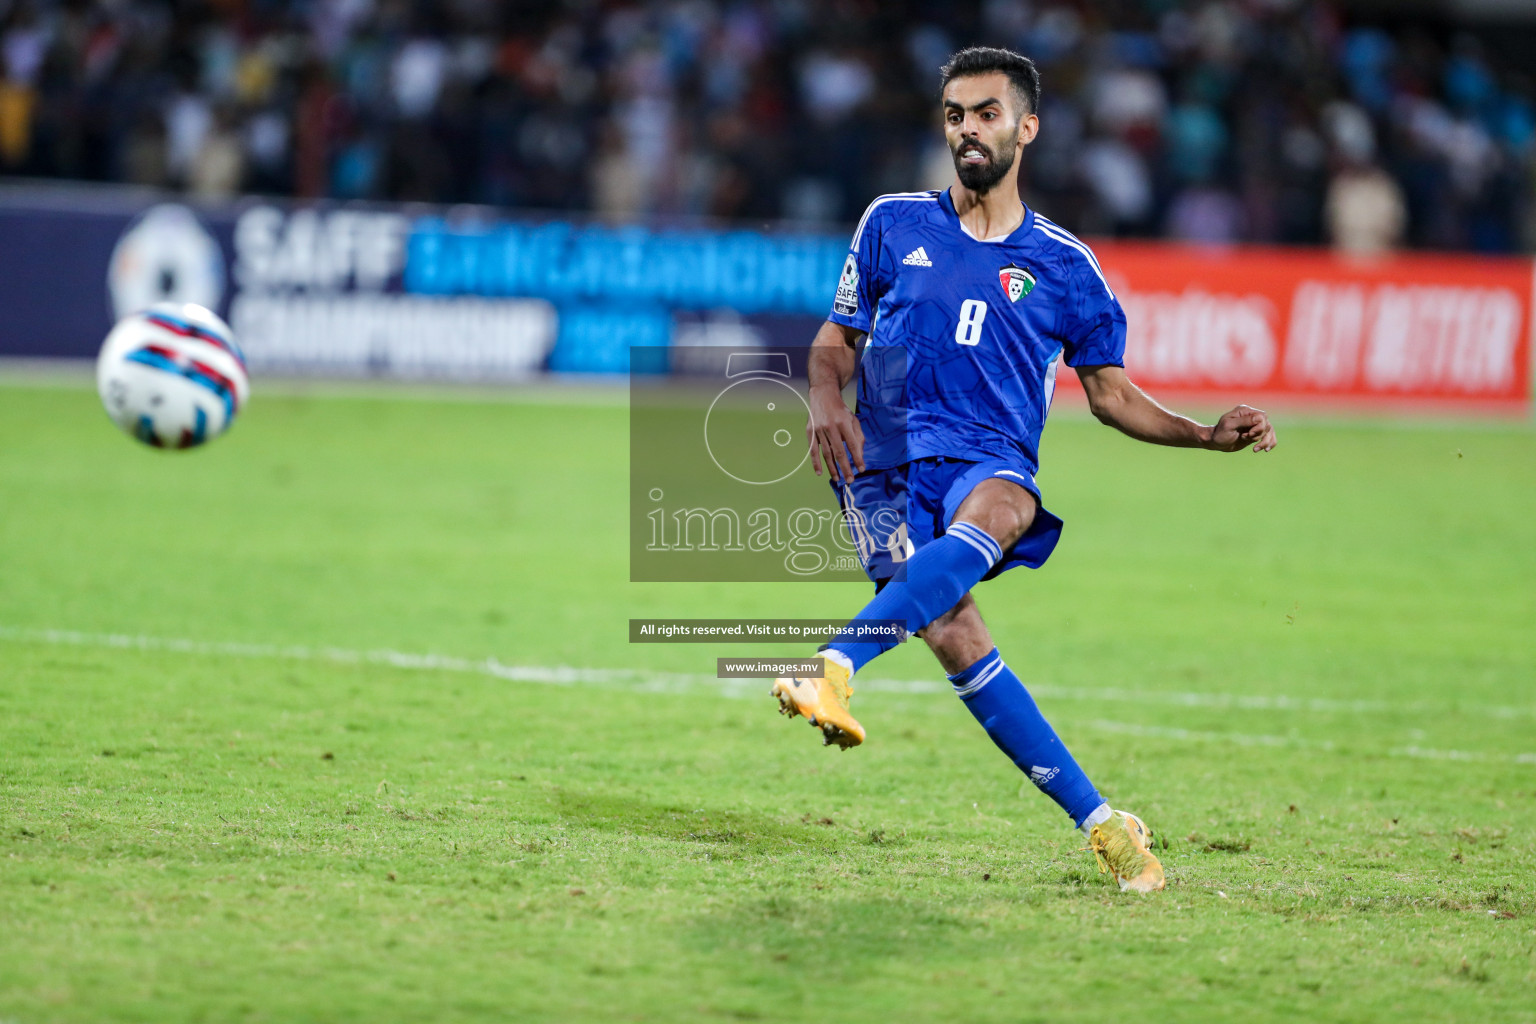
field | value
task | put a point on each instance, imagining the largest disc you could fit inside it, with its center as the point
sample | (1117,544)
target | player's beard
(982,178)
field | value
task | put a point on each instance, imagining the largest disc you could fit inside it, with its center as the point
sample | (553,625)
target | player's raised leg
(989,521)
(824,701)
(932,581)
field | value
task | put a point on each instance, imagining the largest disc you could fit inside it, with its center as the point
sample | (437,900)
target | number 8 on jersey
(972,313)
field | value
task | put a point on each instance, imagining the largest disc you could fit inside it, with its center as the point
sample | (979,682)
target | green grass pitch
(222,798)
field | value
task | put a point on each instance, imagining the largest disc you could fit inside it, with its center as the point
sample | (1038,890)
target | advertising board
(478,294)
(1262,324)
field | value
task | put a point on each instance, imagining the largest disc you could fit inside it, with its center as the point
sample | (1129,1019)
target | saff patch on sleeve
(847,300)
(1016,281)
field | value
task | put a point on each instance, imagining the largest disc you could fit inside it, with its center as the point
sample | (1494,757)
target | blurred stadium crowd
(1260,120)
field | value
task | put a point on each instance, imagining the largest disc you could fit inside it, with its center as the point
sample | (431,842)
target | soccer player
(966,298)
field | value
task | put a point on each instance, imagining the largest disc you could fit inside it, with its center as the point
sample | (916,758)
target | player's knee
(1007,521)
(1015,519)
(1001,508)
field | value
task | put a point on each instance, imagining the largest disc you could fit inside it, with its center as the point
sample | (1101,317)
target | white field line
(1296,742)
(644,680)
(1314,705)
(650,681)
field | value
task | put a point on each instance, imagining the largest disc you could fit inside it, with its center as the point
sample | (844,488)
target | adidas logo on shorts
(918,258)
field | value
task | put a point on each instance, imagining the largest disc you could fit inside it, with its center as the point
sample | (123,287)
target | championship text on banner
(1251,323)
(481,294)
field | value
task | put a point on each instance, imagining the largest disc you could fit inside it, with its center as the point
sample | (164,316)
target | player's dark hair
(985,60)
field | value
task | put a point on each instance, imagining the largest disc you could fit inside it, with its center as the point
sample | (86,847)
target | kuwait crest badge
(1016,281)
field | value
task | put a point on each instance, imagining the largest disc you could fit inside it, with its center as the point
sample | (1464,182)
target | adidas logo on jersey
(918,258)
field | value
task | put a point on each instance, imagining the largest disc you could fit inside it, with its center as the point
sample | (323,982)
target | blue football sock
(1008,713)
(932,582)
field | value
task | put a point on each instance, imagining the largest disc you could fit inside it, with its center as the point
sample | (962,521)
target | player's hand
(1241,427)
(834,435)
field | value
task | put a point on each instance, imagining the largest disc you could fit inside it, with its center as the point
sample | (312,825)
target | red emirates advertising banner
(1254,324)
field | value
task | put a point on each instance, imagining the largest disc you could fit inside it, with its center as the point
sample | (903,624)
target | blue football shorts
(891,513)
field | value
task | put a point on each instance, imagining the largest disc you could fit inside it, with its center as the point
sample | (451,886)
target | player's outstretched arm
(833,431)
(1127,408)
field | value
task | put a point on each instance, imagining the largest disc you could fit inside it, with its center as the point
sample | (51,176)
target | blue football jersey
(964,335)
